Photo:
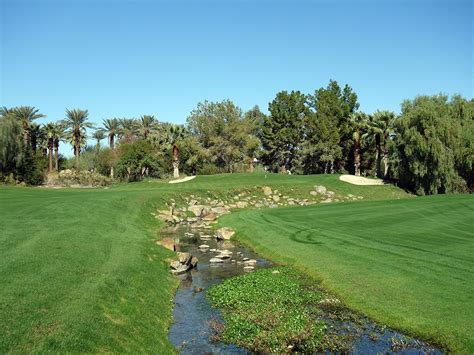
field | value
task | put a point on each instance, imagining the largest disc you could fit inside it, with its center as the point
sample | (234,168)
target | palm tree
(128,129)
(111,127)
(358,121)
(76,122)
(146,125)
(50,131)
(98,135)
(36,135)
(26,115)
(381,126)
(60,135)
(175,133)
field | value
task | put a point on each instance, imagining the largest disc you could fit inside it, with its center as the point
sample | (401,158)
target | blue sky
(128,58)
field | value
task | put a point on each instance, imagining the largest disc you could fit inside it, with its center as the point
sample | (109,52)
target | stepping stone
(215,261)
(204,246)
(249,268)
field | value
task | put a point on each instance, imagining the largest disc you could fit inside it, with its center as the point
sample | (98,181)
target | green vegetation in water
(271,310)
(405,263)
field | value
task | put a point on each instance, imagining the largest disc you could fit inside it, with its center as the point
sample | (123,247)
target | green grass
(406,263)
(269,310)
(80,270)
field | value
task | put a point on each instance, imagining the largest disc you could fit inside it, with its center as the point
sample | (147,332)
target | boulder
(210,217)
(241,204)
(320,189)
(182,268)
(267,190)
(184,258)
(313,193)
(196,210)
(224,233)
(249,268)
(168,243)
(223,256)
(174,264)
(215,261)
(204,246)
(276,198)
(194,261)
(219,210)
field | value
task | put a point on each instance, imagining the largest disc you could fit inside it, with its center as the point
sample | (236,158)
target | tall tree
(358,122)
(128,129)
(76,122)
(333,107)
(282,130)
(111,127)
(98,135)
(146,125)
(59,135)
(50,131)
(381,127)
(26,115)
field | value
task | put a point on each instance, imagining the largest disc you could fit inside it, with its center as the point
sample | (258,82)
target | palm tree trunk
(378,156)
(50,157)
(357,158)
(175,161)
(385,163)
(56,156)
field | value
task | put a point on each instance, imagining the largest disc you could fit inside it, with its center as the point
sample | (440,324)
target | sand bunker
(360,180)
(187,178)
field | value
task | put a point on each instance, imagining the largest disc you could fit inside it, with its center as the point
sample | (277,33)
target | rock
(184,258)
(267,190)
(320,189)
(193,202)
(313,193)
(196,210)
(328,200)
(219,210)
(330,193)
(194,261)
(204,246)
(166,212)
(275,272)
(215,261)
(210,217)
(223,256)
(205,237)
(180,269)
(276,198)
(224,233)
(249,268)
(241,204)
(168,243)
(175,264)
(198,289)
(250,262)
(245,259)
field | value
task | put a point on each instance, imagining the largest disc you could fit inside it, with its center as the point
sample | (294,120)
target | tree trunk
(250,167)
(175,168)
(332,166)
(112,141)
(378,156)
(326,167)
(25,135)
(56,156)
(50,157)
(175,161)
(357,158)
(386,164)
(112,172)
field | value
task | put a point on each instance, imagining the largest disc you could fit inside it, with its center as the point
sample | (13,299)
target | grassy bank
(406,263)
(80,269)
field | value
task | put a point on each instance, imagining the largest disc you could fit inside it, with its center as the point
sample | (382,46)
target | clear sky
(128,58)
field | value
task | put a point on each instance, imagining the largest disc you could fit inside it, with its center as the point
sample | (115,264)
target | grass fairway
(80,270)
(407,263)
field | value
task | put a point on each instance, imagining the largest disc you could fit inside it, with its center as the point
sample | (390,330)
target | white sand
(360,180)
(187,178)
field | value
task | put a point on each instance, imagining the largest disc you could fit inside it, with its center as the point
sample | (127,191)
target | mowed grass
(407,263)
(80,270)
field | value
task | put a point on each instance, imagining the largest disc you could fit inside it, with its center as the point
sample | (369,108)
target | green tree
(429,137)
(358,122)
(333,107)
(381,128)
(26,115)
(98,135)
(50,131)
(282,130)
(146,125)
(128,129)
(224,134)
(76,122)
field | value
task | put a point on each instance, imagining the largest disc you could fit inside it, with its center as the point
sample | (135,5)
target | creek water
(191,331)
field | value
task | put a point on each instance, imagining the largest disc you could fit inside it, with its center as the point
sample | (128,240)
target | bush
(70,177)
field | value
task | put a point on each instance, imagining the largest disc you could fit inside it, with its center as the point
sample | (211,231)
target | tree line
(428,148)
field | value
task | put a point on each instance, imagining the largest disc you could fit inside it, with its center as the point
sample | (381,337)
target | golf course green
(81,271)
(406,263)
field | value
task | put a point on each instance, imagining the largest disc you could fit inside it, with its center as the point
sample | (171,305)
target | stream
(191,332)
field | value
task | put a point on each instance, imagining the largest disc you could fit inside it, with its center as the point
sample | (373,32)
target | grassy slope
(80,270)
(407,263)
